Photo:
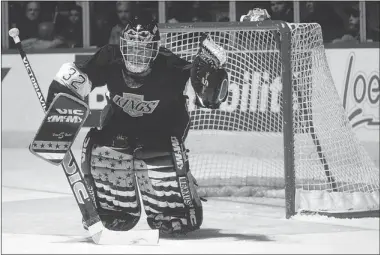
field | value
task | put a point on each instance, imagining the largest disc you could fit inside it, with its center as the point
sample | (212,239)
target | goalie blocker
(63,120)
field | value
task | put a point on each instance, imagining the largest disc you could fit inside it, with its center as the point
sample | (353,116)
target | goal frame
(286,76)
(283,38)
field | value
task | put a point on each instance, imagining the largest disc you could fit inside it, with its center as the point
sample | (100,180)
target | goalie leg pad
(168,190)
(110,173)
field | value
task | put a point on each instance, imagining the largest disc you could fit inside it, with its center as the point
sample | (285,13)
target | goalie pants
(161,173)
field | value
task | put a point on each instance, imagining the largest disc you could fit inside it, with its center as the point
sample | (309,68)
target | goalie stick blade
(132,237)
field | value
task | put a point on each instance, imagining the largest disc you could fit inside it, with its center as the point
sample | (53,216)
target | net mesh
(238,150)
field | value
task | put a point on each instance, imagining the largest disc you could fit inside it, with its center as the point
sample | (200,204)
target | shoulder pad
(165,51)
(70,76)
(106,55)
(173,60)
(114,54)
(111,49)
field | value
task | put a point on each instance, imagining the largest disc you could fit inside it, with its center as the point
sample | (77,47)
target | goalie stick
(99,234)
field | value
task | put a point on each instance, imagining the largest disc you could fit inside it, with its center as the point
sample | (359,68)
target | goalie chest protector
(63,120)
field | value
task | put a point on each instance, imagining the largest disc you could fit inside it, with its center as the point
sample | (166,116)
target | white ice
(39,215)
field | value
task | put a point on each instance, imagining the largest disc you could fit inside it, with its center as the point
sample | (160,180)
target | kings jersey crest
(135,105)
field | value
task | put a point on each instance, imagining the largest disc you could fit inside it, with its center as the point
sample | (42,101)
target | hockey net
(238,150)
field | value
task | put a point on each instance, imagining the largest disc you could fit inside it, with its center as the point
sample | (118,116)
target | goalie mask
(139,43)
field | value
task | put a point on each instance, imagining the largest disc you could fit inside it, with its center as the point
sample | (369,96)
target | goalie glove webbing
(208,78)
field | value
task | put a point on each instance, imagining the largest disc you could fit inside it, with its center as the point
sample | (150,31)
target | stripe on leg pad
(115,180)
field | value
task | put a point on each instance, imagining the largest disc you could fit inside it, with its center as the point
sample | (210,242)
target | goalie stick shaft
(70,166)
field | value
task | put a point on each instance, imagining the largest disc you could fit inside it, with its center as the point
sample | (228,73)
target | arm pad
(70,80)
(70,76)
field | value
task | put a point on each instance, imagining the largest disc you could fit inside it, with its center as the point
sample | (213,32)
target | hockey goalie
(139,150)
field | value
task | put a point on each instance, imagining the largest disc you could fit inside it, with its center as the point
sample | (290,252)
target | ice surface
(39,215)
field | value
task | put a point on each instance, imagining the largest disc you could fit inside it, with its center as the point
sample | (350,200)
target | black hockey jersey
(155,109)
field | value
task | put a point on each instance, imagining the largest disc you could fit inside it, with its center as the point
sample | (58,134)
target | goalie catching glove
(208,77)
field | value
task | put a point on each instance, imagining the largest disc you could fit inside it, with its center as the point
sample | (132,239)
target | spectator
(309,12)
(28,24)
(173,12)
(281,10)
(44,40)
(354,23)
(101,30)
(72,32)
(352,26)
(124,12)
(61,14)
(34,33)
(172,20)
(323,14)
(198,12)
(46,31)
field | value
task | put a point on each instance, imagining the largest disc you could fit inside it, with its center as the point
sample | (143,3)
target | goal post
(287,100)
(283,132)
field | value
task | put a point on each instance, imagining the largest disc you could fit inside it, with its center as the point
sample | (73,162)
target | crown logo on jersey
(135,105)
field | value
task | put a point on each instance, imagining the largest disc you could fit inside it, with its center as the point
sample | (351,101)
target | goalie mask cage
(283,132)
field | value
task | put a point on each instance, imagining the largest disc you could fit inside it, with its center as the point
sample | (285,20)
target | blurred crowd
(47,24)
(53,24)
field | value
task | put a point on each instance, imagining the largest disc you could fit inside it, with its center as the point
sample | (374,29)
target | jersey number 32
(77,81)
